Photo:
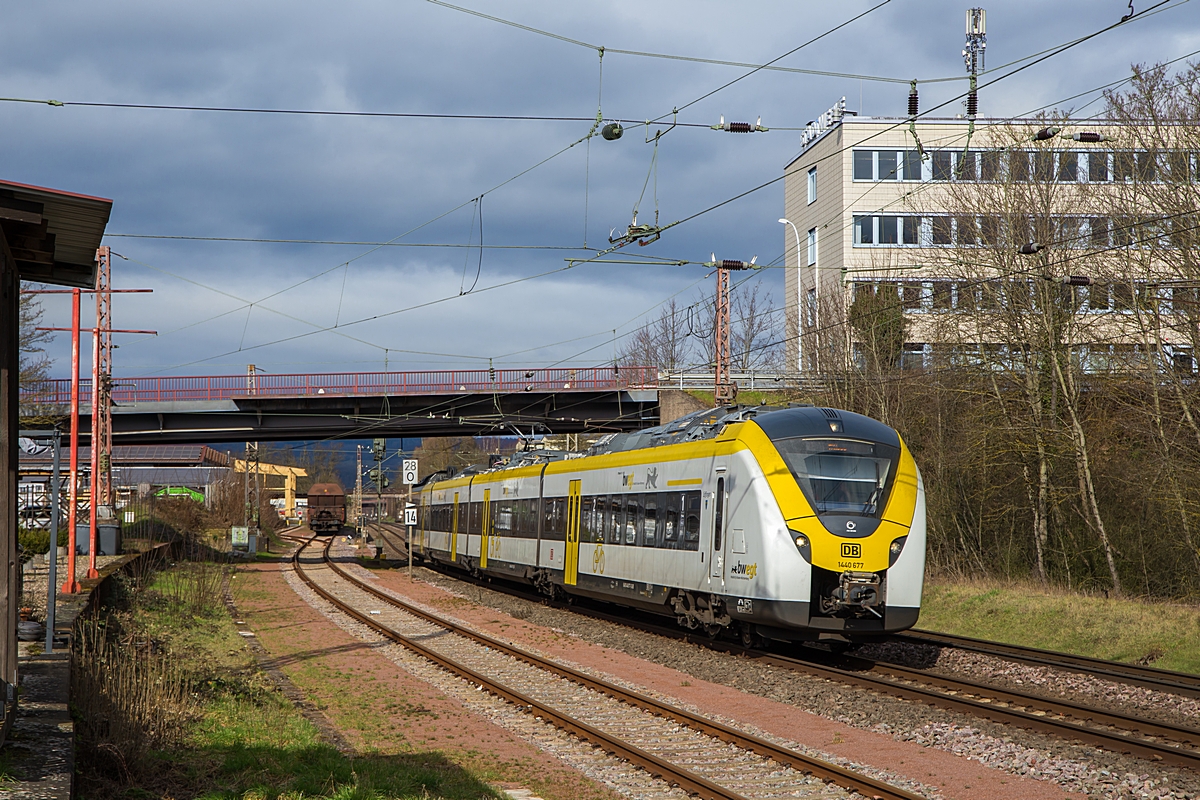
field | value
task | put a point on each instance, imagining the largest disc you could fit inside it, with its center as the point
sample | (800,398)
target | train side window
(631,519)
(587,528)
(615,522)
(650,520)
(719,515)
(528,519)
(671,503)
(476,512)
(554,518)
(691,523)
(504,515)
(518,519)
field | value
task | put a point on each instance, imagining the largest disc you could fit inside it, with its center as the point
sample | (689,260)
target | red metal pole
(95,450)
(72,586)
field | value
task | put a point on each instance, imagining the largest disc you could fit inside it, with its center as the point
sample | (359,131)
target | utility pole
(250,513)
(100,492)
(102,391)
(724,389)
(71,586)
(358,494)
(378,451)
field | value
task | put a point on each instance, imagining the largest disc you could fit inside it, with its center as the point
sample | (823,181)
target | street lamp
(816,293)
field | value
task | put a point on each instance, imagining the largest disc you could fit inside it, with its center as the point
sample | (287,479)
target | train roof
(325,490)
(776,422)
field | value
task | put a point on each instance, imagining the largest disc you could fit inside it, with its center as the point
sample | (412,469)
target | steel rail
(1066,708)
(819,768)
(657,767)
(1134,674)
(983,708)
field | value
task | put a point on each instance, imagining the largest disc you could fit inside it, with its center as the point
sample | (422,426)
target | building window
(1097,167)
(941,231)
(864,230)
(1068,167)
(1043,166)
(912,165)
(1018,166)
(888,233)
(887,165)
(864,165)
(811,307)
(812,185)
(966,166)
(989,165)
(885,230)
(941,165)
(888,168)
(1123,166)
(812,246)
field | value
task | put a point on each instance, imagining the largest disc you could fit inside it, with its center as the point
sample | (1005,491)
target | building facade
(932,215)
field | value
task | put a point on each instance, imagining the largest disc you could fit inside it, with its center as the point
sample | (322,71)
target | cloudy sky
(220,305)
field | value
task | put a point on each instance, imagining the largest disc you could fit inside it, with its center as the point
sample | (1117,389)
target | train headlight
(803,545)
(895,550)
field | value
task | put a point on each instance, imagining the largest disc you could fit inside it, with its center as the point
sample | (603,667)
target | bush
(34,541)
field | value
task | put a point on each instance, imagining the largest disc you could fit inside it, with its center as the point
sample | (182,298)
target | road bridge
(272,407)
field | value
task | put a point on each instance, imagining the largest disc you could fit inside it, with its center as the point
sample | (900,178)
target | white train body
(800,523)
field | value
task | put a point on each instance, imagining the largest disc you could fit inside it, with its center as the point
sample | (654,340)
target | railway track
(1134,674)
(699,755)
(1155,741)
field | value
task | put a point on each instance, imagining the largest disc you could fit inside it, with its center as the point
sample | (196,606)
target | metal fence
(172,389)
(228,387)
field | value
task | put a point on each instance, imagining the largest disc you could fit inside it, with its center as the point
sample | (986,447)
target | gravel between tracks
(1073,766)
(1043,681)
(594,764)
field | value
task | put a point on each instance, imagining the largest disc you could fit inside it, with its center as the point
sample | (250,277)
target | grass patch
(176,707)
(1163,635)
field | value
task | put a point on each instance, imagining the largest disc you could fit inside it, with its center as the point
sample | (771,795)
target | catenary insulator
(612,131)
(912,99)
(1076,280)
(1030,248)
(739,127)
(972,105)
(1086,136)
(1046,133)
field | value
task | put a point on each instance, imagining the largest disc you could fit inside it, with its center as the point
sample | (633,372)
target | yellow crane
(289,475)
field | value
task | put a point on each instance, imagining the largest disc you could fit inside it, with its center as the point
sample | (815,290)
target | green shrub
(34,541)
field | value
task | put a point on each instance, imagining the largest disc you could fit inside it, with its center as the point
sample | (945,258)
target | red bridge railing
(228,387)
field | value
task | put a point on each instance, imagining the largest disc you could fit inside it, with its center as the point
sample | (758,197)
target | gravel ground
(1042,681)
(1073,766)
(589,760)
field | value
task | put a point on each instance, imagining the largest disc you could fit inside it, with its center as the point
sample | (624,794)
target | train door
(485,528)
(454,531)
(571,557)
(717,561)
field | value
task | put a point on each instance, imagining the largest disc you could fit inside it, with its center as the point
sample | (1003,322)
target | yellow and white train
(800,523)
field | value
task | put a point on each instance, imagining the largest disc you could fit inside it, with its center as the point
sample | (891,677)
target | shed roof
(52,234)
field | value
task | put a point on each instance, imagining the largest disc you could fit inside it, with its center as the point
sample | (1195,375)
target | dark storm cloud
(212,174)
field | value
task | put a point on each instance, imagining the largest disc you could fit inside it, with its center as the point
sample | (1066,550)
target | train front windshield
(841,476)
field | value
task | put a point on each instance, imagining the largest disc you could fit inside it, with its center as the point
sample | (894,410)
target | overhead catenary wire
(735,198)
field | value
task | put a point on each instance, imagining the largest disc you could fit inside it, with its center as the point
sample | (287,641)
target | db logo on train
(851,550)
